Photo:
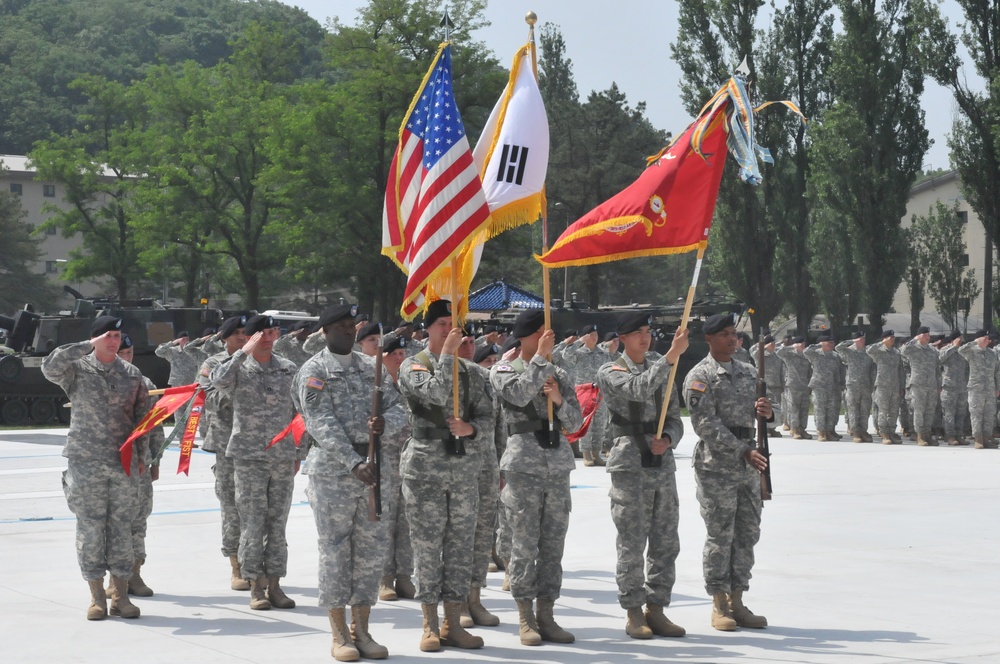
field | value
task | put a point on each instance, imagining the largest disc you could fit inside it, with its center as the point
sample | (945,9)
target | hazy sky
(628,42)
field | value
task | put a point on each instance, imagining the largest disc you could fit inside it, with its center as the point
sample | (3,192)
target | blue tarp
(500,295)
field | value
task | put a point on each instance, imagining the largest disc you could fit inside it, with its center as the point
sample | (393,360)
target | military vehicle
(26,397)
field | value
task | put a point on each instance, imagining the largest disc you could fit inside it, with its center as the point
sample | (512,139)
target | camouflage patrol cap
(632,321)
(104,324)
(717,323)
(337,312)
(230,325)
(258,323)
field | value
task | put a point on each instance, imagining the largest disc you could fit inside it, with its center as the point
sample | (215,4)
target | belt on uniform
(743,433)
(452,446)
(633,429)
(527,426)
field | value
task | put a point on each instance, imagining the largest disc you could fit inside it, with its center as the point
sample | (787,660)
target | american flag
(434,201)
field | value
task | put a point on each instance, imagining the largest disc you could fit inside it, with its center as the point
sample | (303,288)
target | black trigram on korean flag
(513,159)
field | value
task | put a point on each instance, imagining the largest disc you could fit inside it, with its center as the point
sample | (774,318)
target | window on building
(49,190)
(51,267)
(15,188)
(963,217)
(964,260)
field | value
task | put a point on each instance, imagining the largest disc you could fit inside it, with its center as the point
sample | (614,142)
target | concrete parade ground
(869,553)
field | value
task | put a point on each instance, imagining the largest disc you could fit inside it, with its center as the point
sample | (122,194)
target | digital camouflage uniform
(183,366)
(489,493)
(797,371)
(336,403)
(219,410)
(314,343)
(721,403)
(860,382)
(583,364)
(109,400)
(399,549)
(144,507)
(922,385)
(289,347)
(441,490)
(889,381)
(774,376)
(265,476)
(825,386)
(984,378)
(644,504)
(954,390)
(536,495)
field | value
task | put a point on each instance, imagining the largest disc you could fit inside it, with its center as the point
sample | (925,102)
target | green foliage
(19,251)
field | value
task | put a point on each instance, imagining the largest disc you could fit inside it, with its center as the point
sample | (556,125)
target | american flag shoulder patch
(418,367)
(205,371)
(315,383)
(698,386)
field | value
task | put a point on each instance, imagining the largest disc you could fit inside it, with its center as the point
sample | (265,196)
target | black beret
(299,325)
(587,330)
(512,342)
(768,339)
(363,317)
(230,325)
(528,322)
(609,336)
(182,334)
(717,323)
(631,322)
(954,335)
(485,351)
(257,323)
(104,324)
(923,329)
(888,333)
(126,342)
(437,309)
(367,330)
(798,340)
(208,330)
(490,328)
(570,333)
(393,342)
(336,313)
(825,337)
(858,335)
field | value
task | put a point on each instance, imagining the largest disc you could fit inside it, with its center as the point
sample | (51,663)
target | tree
(19,251)
(869,145)
(974,142)
(831,259)
(939,248)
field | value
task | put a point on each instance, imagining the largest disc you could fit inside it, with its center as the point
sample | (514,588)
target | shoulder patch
(205,371)
(418,367)
(315,383)
(504,368)
(698,386)
(618,367)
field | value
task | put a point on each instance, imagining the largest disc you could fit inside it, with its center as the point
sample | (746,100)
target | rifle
(375,440)
(762,442)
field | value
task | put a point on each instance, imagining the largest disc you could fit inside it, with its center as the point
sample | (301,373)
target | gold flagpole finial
(531,18)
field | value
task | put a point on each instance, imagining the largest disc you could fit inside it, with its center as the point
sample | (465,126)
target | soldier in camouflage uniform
(289,345)
(536,464)
(644,504)
(183,366)
(984,381)
(205,346)
(582,360)
(825,386)
(151,445)
(742,354)
(396,575)
(774,376)
(860,383)
(260,386)
(922,384)
(721,395)
(797,370)
(440,467)
(954,389)
(109,399)
(333,392)
(219,411)
(888,385)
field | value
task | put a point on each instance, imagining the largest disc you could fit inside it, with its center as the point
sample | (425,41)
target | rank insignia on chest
(418,367)
(315,383)
(698,386)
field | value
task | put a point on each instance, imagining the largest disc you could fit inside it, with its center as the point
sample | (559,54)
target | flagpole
(457,323)
(683,326)
(531,18)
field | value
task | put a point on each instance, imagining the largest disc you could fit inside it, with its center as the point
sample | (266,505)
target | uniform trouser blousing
(486,524)
(105,503)
(399,550)
(731,508)
(923,402)
(859,407)
(888,409)
(826,407)
(263,499)
(644,508)
(982,409)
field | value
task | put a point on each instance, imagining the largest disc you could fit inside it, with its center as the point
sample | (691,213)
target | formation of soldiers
(448,446)
(941,388)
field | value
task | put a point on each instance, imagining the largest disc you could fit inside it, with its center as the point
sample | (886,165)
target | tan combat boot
(588,459)
(821,436)
(865,436)
(386,591)
(528,628)
(404,587)
(722,617)
(856,437)
(431,639)
(120,603)
(659,623)
(797,434)
(98,609)
(599,460)
(343,649)
(136,586)
(277,596)
(505,586)
(236,581)
(833,435)
(452,632)
(962,440)
(635,624)
(773,432)
(887,440)
(785,427)
(804,435)
(922,441)
(466,620)
(548,628)
(480,615)
(896,440)
(743,616)
(258,594)
(363,641)
(979,443)
(953,441)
